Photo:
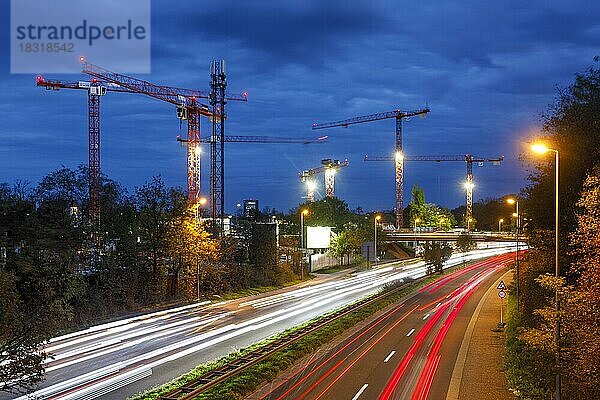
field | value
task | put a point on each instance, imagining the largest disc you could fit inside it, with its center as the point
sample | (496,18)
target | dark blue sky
(487,70)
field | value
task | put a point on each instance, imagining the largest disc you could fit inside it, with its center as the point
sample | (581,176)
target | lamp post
(377,218)
(302,214)
(201,201)
(542,149)
(517,226)
(417,220)
(469,220)
(500,221)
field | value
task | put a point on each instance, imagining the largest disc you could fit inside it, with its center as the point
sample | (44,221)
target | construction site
(191,105)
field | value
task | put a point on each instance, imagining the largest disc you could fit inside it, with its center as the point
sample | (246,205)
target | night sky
(487,70)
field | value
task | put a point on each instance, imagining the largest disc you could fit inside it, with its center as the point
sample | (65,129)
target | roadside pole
(502,294)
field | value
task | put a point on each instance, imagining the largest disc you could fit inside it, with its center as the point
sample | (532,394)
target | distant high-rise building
(251,209)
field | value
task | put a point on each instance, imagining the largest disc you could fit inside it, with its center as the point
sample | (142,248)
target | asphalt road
(406,353)
(116,360)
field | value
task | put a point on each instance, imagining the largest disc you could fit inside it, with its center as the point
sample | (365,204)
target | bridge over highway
(399,236)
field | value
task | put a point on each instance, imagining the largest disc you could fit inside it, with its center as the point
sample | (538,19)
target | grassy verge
(252,378)
(525,372)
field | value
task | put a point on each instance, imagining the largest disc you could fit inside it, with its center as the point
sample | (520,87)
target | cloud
(486,70)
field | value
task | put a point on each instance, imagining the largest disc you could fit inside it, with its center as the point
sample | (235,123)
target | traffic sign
(502,294)
(501,286)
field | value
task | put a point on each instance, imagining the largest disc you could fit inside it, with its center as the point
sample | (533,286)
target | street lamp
(302,214)
(469,224)
(500,221)
(201,201)
(417,220)
(542,149)
(377,218)
(517,216)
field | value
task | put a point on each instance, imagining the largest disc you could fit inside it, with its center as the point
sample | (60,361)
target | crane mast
(398,115)
(218,84)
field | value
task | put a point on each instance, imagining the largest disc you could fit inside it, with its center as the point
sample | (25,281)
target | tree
(571,125)
(428,214)
(191,247)
(38,286)
(330,211)
(345,243)
(435,255)
(465,242)
(579,316)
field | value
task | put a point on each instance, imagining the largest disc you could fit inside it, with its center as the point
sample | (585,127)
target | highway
(408,352)
(122,358)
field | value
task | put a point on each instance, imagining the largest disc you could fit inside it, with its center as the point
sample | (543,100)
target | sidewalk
(479,371)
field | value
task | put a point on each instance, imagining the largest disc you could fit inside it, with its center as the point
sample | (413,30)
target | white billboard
(318,237)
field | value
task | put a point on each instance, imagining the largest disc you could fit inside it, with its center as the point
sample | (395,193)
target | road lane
(118,359)
(415,343)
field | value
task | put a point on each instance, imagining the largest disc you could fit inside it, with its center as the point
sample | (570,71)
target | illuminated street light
(516,215)
(377,218)
(201,201)
(469,185)
(417,220)
(303,213)
(542,149)
(399,156)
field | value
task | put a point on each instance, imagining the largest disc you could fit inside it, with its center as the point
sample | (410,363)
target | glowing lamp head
(202,201)
(305,212)
(539,148)
(469,185)
(399,156)
(515,215)
(501,220)
(311,185)
(81,59)
(470,219)
(377,217)
(511,201)
(417,220)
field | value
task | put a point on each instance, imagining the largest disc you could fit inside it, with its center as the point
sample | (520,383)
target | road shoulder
(479,371)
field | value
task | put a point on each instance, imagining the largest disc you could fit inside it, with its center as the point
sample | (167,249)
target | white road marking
(362,389)
(389,356)
(410,332)
(426,316)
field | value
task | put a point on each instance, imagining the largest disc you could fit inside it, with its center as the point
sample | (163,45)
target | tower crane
(398,115)
(188,109)
(181,97)
(95,88)
(329,167)
(466,158)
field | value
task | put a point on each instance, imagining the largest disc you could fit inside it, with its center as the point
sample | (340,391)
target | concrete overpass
(400,236)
